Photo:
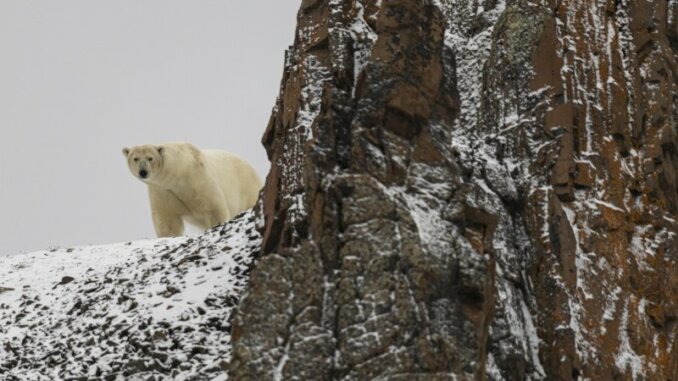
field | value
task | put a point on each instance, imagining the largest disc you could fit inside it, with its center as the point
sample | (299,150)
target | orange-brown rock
(464,190)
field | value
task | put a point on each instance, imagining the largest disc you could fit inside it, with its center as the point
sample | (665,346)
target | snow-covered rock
(142,310)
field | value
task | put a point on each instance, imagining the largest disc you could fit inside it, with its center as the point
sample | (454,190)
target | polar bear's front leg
(167,225)
(166,210)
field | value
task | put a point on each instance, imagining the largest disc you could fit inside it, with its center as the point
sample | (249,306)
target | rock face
(470,190)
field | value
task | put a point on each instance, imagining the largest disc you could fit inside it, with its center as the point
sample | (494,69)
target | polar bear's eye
(136,159)
(150,159)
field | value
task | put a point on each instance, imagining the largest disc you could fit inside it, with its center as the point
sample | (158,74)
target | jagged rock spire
(470,190)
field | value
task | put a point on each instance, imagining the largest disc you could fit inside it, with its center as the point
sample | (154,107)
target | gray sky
(81,79)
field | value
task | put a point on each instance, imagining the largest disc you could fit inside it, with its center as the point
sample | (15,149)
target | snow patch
(626,358)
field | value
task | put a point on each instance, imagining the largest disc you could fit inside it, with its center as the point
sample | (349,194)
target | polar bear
(202,187)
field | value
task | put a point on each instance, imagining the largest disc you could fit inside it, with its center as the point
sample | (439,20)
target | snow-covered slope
(140,310)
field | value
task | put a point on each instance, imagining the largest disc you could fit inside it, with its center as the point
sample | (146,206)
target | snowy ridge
(144,310)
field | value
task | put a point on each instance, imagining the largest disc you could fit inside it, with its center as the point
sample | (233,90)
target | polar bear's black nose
(143,173)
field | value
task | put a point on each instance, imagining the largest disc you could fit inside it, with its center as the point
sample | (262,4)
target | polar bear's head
(144,161)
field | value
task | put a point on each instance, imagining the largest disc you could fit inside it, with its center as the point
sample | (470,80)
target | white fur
(203,187)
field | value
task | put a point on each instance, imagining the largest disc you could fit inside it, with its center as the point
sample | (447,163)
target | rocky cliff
(470,190)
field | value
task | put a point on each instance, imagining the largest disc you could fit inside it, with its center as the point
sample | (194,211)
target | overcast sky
(81,79)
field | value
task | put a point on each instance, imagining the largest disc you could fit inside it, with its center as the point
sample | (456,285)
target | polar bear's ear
(161,149)
(125,151)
